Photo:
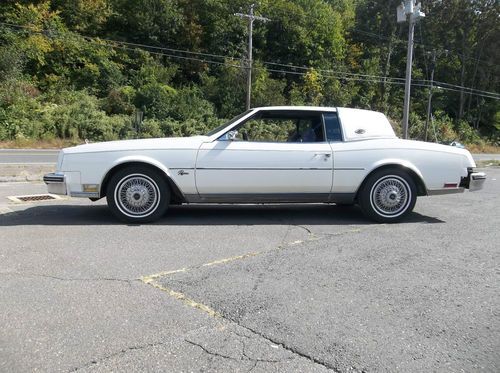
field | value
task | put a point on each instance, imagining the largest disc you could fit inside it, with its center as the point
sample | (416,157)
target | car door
(274,155)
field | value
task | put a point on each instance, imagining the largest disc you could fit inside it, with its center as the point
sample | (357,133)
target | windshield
(215,130)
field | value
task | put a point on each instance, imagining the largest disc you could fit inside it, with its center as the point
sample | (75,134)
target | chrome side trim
(244,198)
(348,168)
(264,168)
(85,194)
(438,192)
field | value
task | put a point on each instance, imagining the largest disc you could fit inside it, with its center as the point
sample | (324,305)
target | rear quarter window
(362,124)
(332,127)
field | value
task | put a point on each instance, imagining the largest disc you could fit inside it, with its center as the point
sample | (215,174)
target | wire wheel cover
(390,196)
(137,195)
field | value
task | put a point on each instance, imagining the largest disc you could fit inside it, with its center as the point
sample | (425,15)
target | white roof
(308,108)
(360,124)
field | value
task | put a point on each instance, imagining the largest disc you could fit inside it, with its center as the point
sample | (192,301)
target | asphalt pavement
(28,156)
(238,288)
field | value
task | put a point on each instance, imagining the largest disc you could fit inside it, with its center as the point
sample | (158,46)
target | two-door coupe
(271,155)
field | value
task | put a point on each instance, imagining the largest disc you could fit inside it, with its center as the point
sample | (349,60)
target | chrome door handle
(327,155)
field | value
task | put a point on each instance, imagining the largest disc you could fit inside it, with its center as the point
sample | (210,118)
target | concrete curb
(17,172)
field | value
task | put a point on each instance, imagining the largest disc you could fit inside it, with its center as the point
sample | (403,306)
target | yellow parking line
(231,259)
(182,297)
(162,274)
(152,279)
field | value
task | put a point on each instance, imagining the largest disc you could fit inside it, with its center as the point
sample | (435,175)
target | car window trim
(342,137)
(243,121)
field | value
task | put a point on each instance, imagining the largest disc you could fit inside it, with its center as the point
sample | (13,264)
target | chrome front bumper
(56,183)
(474,180)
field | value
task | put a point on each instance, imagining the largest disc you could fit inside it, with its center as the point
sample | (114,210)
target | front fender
(138,159)
(133,159)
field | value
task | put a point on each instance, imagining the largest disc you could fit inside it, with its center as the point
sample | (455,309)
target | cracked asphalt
(307,288)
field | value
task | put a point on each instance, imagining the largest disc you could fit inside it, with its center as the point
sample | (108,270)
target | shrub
(466,133)
(155,99)
(120,101)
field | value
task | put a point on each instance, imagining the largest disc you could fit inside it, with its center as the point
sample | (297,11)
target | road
(308,288)
(37,156)
(28,156)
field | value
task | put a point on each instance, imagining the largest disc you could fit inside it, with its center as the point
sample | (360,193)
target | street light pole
(409,63)
(251,18)
(408,8)
(429,101)
(250,62)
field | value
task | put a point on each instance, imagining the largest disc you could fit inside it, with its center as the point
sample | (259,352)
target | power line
(93,39)
(445,51)
(33,29)
(161,53)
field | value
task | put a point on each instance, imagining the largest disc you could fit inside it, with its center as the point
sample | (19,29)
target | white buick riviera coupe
(269,155)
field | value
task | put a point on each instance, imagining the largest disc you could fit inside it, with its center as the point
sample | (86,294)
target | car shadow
(310,214)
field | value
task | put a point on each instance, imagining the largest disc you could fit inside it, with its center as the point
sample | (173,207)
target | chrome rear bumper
(477,180)
(474,180)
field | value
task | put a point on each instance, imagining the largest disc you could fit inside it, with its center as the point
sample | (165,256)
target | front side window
(281,126)
(227,124)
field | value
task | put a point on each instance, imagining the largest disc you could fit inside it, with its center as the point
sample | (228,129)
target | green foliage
(155,99)
(120,101)
(55,81)
(227,91)
(466,133)
(267,91)
(11,63)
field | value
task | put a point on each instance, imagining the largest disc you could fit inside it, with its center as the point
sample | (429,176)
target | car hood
(139,144)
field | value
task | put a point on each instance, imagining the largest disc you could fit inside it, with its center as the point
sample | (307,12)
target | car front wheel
(388,196)
(138,195)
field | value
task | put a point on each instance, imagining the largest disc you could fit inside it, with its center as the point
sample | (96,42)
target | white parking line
(5,210)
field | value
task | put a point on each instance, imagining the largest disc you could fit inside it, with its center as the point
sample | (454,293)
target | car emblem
(360,131)
(182,172)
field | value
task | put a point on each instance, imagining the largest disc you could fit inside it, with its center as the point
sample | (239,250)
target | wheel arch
(176,193)
(405,166)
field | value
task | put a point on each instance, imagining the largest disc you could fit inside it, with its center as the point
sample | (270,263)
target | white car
(269,155)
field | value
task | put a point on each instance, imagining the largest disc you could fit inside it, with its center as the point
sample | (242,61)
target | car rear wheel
(388,196)
(138,195)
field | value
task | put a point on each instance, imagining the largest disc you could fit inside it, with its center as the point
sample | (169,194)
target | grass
(487,149)
(38,144)
(488,163)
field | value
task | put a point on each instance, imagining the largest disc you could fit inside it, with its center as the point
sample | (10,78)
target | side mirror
(231,135)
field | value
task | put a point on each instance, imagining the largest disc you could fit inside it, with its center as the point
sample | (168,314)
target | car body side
(87,168)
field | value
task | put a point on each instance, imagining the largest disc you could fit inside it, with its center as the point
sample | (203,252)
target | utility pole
(408,8)
(251,18)
(433,66)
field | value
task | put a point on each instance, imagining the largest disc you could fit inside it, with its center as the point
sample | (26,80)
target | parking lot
(250,288)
